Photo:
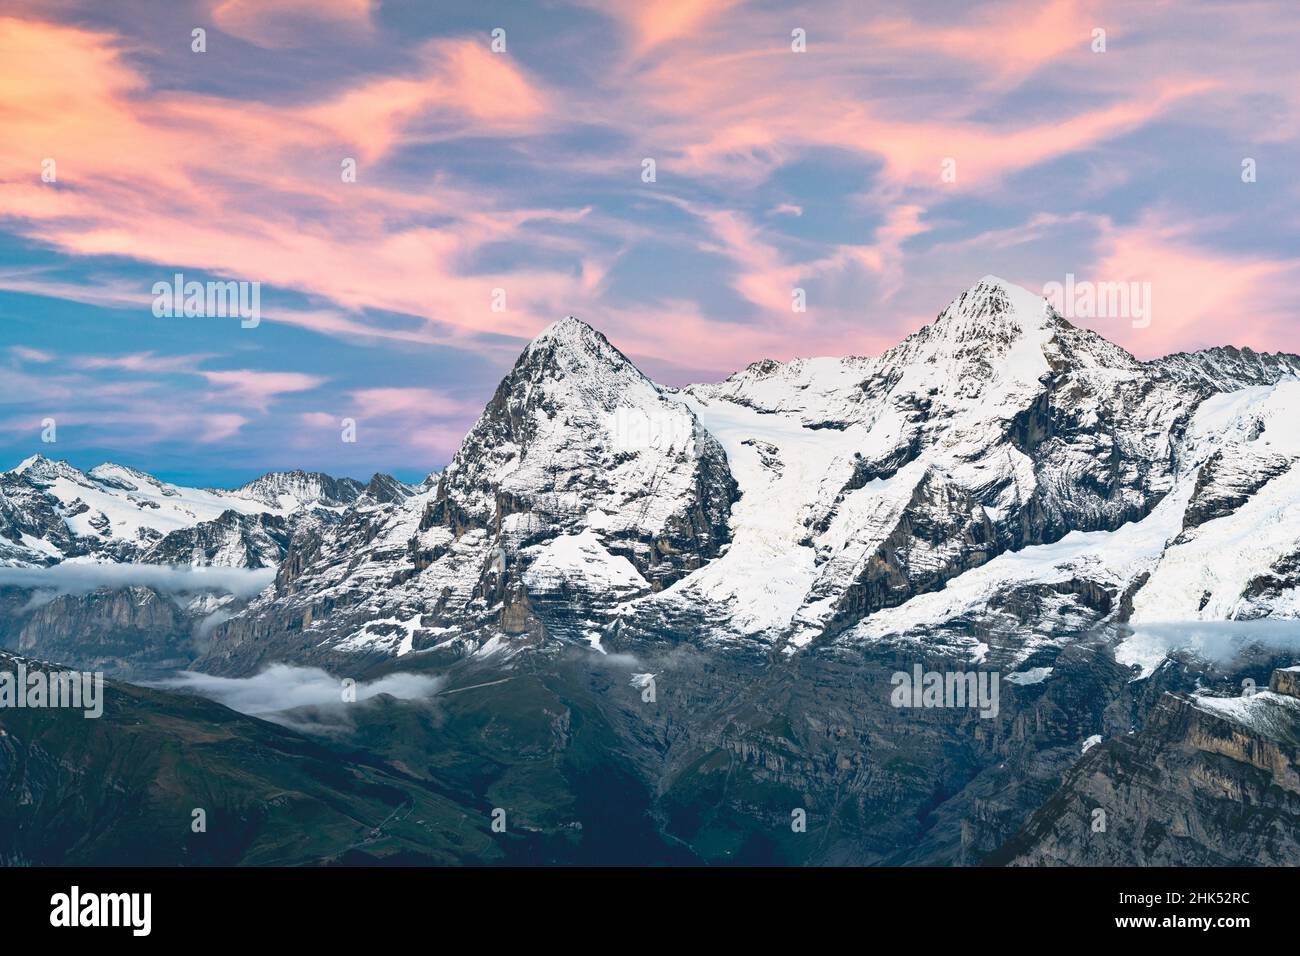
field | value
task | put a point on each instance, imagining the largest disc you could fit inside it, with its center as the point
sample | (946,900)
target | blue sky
(522,170)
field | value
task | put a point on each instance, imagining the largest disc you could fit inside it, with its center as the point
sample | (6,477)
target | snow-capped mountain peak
(998,425)
(51,511)
(125,478)
(39,469)
(385,488)
(290,490)
(571,349)
(994,331)
(813,501)
(989,304)
(568,330)
(1001,489)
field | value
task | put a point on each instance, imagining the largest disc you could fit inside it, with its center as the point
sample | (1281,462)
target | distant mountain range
(1117,540)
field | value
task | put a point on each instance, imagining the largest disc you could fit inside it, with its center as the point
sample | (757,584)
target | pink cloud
(651,23)
(33,356)
(1008,41)
(141,362)
(266,208)
(321,420)
(221,427)
(1199,297)
(422,402)
(258,389)
(399,420)
(766,279)
(288,23)
(462,86)
(720,135)
(710,89)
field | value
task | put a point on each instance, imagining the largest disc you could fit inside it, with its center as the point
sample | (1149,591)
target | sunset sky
(522,171)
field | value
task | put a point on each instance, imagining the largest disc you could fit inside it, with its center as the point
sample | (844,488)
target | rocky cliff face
(577,439)
(581,486)
(132,631)
(1226,368)
(1209,781)
(870,485)
(80,553)
(233,540)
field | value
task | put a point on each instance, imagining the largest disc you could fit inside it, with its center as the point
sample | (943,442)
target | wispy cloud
(907,149)
(304,698)
(256,388)
(288,23)
(82,577)
(30,356)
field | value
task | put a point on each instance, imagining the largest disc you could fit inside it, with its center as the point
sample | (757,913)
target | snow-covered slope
(287,491)
(868,481)
(576,437)
(999,483)
(1225,368)
(581,485)
(117,568)
(51,512)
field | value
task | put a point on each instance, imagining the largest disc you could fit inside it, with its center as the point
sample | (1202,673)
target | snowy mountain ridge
(51,511)
(999,483)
